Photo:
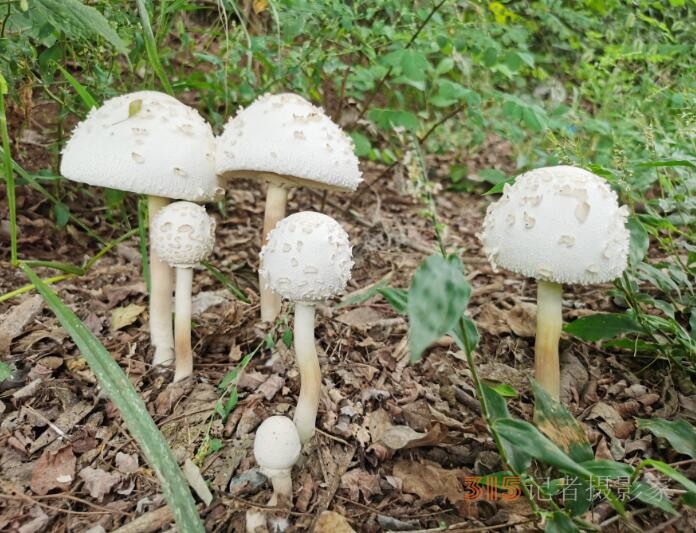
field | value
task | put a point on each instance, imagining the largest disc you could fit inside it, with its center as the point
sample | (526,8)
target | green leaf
(498,187)
(671,472)
(606,468)
(554,420)
(72,16)
(80,89)
(387,119)
(118,388)
(652,496)
(505,390)
(218,275)
(497,410)
(288,337)
(362,144)
(559,522)
(639,240)
(62,213)
(679,433)
(465,333)
(525,437)
(437,298)
(668,163)
(602,326)
(5,371)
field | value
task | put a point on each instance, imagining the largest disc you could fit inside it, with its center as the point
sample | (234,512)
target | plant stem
(276,202)
(310,374)
(151,46)
(549,321)
(161,333)
(182,324)
(9,179)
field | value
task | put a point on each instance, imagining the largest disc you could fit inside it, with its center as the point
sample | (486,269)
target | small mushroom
(120,146)
(306,260)
(276,449)
(183,236)
(576,220)
(281,139)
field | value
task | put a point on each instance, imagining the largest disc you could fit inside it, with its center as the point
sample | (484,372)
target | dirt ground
(394,440)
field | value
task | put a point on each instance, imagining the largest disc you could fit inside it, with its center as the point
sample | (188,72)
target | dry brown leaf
(403,437)
(332,522)
(53,470)
(269,388)
(98,482)
(127,463)
(359,481)
(429,480)
(14,321)
(125,316)
(522,319)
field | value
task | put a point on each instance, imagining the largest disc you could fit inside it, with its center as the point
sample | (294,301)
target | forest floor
(394,442)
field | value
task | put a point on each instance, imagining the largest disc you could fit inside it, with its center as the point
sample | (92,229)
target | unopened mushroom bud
(306,260)
(183,235)
(286,141)
(276,448)
(559,225)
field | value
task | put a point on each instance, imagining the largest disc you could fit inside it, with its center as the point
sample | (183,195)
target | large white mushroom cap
(144,142)
(307,258)
(560,224)
(285,138)
(276,445)
(183,234)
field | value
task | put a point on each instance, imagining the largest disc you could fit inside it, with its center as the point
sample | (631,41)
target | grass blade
(218,275)
(9,173)
(151,46)
(118,388)
(80,89)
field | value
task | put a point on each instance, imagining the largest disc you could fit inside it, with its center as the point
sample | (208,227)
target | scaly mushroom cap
(183,234)
(276,445)
(144,142)
(307,258)
(283,137)
(560,224)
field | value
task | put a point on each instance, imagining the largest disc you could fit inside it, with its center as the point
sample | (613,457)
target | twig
(151,521)
(459,526)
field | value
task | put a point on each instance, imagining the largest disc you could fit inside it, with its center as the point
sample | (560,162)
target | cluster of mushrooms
(557,224)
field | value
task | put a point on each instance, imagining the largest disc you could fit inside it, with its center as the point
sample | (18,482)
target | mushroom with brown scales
(287,142)
(147,142)
(183,236)
(306,260)
(559,225)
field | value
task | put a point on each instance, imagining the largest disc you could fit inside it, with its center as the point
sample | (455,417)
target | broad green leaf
(671,472)
(62,213)
(602,326)
(679,433)
(606,468)
(639,240)
(554,421)
(559,522)
(652,496)
(465,333)
(73,17)
(437,298)
(531,441)
(497,410)
(362,144)
(505,390)
(5,371)
(118,388)
(499,187)
(387,119)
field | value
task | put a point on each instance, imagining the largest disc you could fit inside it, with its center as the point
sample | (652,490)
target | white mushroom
(306,260)
(286,141)
(149,143)
(276,448)
(183,235)
(571,230)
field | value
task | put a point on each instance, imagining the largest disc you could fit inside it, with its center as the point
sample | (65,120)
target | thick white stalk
(276,202)
(549,322)
(282,488)
(182,324)
(310,374)
(161,278)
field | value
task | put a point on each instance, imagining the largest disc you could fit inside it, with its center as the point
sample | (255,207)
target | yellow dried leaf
(125,316)
(134,107)
(260,6)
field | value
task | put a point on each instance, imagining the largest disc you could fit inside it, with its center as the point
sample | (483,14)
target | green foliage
(438,296)
(119,390)
(679,433)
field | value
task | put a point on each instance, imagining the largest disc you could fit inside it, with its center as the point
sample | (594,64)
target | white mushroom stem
(549,321)
(282,487)
(310,373)
(161,278)
(276,201)
(182,324)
